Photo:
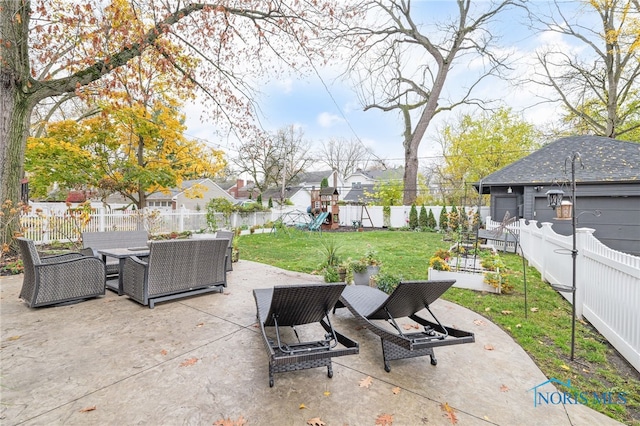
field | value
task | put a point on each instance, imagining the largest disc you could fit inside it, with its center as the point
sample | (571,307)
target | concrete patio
(111,361)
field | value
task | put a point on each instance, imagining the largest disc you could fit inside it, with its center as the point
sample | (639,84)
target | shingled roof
(604,160)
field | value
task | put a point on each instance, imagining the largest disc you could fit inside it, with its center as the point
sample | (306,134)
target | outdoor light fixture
(554,197)
(509,190)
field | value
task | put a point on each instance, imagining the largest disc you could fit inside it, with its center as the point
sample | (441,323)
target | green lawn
(544,333)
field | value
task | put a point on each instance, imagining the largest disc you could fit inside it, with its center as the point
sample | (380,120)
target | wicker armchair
(58,279)
(228,235)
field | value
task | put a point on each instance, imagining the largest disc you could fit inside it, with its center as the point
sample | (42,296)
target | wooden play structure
(326,200)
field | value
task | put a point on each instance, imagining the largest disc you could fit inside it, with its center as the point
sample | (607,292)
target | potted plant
(366,267)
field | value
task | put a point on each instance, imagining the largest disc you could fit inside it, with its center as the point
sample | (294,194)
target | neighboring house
(298,196)
(609,182)
(192,194)
(244,190)
(314,179)
(360,184)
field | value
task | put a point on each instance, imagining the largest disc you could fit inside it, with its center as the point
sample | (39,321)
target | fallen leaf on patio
(87,409)
(565,367)
(488,347)
(504,388)
(366,382)
(163,352)
(410,326)
(200,325)
(534,309)
(189,362)
(478,322)
(395,390)
(228,422)
(315,422)
(487,309)
(450,413)
(13,338)
(326,393)
(302,407)
(506,312)
(384,420)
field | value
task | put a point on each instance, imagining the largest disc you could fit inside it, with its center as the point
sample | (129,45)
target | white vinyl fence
(607,281)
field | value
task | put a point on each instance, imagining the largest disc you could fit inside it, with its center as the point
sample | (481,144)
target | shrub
(431,220)
(444,220)
(387,281)
(439,264)
(423,218)
(413,217)
(331,274)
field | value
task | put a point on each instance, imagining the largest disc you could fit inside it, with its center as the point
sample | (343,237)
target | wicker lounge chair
(59,279)
(379,312)
(297,305)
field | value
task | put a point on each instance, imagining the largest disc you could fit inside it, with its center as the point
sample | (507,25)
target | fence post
(181,219)
(546,230)
(582,234)
(101,219)
(45,225)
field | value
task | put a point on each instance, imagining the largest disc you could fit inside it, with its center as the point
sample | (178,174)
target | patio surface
(111,361)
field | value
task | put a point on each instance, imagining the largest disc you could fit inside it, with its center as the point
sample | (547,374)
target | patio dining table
(121,254)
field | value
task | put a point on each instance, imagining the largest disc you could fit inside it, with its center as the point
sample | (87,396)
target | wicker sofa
(175,269)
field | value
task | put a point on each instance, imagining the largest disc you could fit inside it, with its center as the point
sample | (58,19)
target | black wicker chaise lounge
(298,305)
(379,312)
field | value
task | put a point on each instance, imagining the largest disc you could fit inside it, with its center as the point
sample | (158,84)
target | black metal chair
(373,307)
(297,305)
(59,279)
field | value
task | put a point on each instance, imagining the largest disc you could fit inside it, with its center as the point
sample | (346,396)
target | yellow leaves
(395,390)
(449,413)
(488,347)
(366,382)
(87,409)
(302,406)
(326,393)
(504,388)
(479,322)
(534,309)
(17,18)
(506,312)
(565,367)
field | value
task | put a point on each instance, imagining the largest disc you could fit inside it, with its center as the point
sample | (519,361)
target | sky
(326,107)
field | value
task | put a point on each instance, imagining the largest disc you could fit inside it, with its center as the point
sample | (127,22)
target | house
(360,184)
(243,190)
(192,195)
(607,181)
(298,196)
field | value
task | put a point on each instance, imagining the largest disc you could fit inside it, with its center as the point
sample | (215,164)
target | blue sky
(334,111)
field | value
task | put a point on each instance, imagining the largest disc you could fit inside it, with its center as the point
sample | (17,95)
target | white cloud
(326,119)
(286,85)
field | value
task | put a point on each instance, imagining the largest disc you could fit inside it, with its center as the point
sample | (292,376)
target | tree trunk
(15,113)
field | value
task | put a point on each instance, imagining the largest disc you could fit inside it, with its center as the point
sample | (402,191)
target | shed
(608,180)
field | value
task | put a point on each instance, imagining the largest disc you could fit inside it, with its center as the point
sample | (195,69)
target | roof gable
(604,160)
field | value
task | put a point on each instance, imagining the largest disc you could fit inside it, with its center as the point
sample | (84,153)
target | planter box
(463,280)
(364,278)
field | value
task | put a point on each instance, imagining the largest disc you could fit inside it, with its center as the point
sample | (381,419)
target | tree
(597,83)
(476,146)
(344,155)
(128,150)
(276,159)
(443,221)
(387,193)
(402,65)
(431,220)
(55,48)
(413,217)
(423,218)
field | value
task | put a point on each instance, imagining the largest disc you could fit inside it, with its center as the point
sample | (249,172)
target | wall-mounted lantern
(554,197)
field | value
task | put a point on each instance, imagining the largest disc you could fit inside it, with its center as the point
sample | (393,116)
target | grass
(543,330)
